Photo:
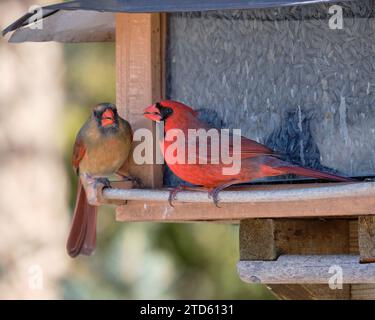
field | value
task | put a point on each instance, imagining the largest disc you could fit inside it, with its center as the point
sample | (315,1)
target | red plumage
(257,160)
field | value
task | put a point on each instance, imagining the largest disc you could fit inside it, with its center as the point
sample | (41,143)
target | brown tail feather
(82,236)
(312,173)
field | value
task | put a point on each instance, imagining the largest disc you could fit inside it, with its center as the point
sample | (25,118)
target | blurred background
(46,91)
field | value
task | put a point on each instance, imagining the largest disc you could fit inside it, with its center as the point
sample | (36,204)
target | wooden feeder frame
(140,56)
(284,242)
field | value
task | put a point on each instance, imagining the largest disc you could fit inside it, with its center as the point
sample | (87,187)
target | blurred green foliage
(142,260)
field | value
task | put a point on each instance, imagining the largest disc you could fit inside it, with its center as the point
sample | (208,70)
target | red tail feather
(82,236)
(313,173)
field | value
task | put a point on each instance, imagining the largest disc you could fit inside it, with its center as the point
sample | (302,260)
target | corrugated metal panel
(284,78)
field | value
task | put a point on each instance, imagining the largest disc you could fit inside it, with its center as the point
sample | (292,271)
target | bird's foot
(102,181)
(173,192)
(214,193)
(93,188)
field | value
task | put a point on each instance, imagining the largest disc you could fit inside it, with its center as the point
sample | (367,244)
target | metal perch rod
(338,190)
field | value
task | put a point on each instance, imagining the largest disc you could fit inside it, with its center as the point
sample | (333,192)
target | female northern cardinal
(257,160)
(102,145)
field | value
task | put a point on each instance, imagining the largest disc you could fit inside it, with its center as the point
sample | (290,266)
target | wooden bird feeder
(294,237)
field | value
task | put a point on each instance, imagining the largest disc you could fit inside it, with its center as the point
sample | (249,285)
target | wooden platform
(267,201)
(296,258)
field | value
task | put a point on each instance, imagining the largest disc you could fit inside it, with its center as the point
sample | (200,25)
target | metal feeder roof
(93,20)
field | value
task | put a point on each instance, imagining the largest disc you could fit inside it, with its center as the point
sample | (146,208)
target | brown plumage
(102,146)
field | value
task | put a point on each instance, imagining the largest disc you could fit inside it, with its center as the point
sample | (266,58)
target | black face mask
(165,112)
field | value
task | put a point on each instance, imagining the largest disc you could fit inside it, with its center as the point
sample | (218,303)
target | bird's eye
(169,111)
(166,112)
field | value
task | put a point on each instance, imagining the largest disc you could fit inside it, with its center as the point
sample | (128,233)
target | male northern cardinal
(102,145)
(257,160)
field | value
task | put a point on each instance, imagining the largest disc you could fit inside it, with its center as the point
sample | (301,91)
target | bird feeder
(295,75)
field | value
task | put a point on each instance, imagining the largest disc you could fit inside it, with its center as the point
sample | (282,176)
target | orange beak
(108,117)
(152,113)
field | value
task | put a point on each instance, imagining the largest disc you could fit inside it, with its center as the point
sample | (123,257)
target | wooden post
(139,68)
(366,238)
(265,239)
(360,240)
